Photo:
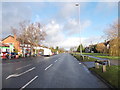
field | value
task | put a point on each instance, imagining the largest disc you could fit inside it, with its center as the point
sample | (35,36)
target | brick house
(12,39)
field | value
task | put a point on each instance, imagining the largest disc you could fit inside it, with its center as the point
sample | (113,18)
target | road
(58,71)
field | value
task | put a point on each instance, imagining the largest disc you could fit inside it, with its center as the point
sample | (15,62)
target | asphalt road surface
(58,71)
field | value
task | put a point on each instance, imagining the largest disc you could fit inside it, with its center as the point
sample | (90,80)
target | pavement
(112,62)
(58,71)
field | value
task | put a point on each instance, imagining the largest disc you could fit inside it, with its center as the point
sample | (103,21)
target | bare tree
(112,31)
(34,33)
(112,34)
(30,33)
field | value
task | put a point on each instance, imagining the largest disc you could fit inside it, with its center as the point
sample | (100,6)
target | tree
(61,50)
(29,33)
(57,48)
(115,47)
(100,47)
(93,48)
(52,49)
(73,49)
(113,35)
(112,31)
(80,46)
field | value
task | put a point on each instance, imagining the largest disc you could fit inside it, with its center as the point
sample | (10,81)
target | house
(20,48)
(87,50)
(25,49)
(12,40)
(5,48)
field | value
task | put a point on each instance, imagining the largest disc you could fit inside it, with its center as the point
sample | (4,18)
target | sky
(65,24)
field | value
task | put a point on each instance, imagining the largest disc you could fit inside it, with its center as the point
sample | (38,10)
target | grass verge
(101,55)
(86,58)
(111,75)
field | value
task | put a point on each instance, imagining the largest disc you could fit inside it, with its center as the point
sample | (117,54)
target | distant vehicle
(47,52)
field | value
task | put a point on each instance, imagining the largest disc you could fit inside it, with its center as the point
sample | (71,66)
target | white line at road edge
(29,82)
(86,69)
(17,75)
(23,67)
(48,66)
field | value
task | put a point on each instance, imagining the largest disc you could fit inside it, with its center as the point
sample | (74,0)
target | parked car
(13,55)
(4,55)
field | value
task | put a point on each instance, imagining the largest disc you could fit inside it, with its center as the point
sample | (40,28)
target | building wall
(4,49)
(12,40)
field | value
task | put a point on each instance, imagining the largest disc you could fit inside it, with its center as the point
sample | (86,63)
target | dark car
(13,55)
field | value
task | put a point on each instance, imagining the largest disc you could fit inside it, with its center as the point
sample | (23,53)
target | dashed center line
(55,60)
(29,82)
(48,66)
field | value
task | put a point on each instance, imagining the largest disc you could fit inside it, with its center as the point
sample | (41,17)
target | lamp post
(78,5)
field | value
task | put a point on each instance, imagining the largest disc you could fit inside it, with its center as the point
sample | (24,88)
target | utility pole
(78,5)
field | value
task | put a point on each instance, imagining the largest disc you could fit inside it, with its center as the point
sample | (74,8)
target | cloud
(71,42)
(72,26)
(92,40)
(67,10)
(57,37)
(13,14)
(59,30)
(54,34)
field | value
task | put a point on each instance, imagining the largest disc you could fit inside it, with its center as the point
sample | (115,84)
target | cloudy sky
(62,20)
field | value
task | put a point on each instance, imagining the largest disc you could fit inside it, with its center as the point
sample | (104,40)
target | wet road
(59,71)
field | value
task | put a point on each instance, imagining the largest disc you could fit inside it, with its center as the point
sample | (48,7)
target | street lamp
(78,5)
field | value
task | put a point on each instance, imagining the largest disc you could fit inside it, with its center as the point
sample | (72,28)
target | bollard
(96,65)
(104,67)
(88,57)
(108,62)
(83,57)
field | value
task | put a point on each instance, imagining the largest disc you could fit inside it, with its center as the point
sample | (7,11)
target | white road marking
(29,82)
(48,66)
(79,63)
(23,67)
(17,75)
(86,69)
(55,60)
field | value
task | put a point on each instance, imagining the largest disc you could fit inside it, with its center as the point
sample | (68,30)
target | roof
(7,37)
(4,45)
(42,46)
